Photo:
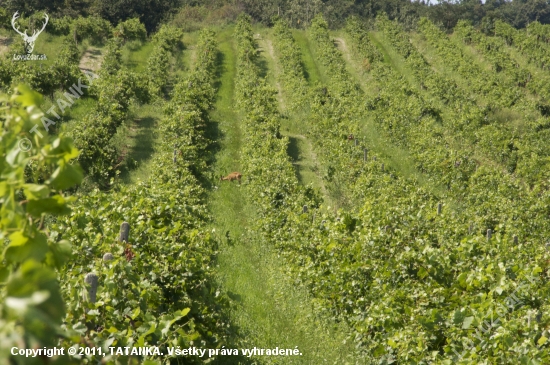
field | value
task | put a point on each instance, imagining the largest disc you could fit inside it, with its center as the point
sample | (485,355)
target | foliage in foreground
(31,304)
(158,289)
(155,289)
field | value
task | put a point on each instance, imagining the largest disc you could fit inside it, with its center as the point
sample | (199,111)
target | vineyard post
(92,280)
(382,167)
(355,142)
(439,206)
(515,240)
(489,233)
(374,158)
(124,232)
(304,209)
(471,228)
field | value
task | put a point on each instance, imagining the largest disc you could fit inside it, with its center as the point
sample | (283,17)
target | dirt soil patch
(91,60)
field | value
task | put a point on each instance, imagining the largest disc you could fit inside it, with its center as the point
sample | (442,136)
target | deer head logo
(29,40)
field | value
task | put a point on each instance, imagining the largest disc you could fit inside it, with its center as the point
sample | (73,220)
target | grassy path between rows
(269,311)
(293,126)
(139,135)
(91,59)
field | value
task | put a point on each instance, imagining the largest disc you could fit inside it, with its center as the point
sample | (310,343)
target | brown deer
(232,176)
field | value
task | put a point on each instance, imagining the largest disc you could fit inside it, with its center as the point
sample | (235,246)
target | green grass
(136,140)
(135,55)
(47,44)
(7,32)
(185,58)
(305,162)
(267,63)
(50,45)
(270,310)
(80,108)
(313,75)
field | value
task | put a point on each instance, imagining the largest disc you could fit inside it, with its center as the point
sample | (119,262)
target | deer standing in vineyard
(232,176)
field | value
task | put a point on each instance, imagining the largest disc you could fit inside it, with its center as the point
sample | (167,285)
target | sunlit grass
(135,55)
(136,139)
(313,75)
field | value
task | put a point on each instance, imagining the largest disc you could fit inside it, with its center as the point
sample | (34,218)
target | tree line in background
(518,13)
